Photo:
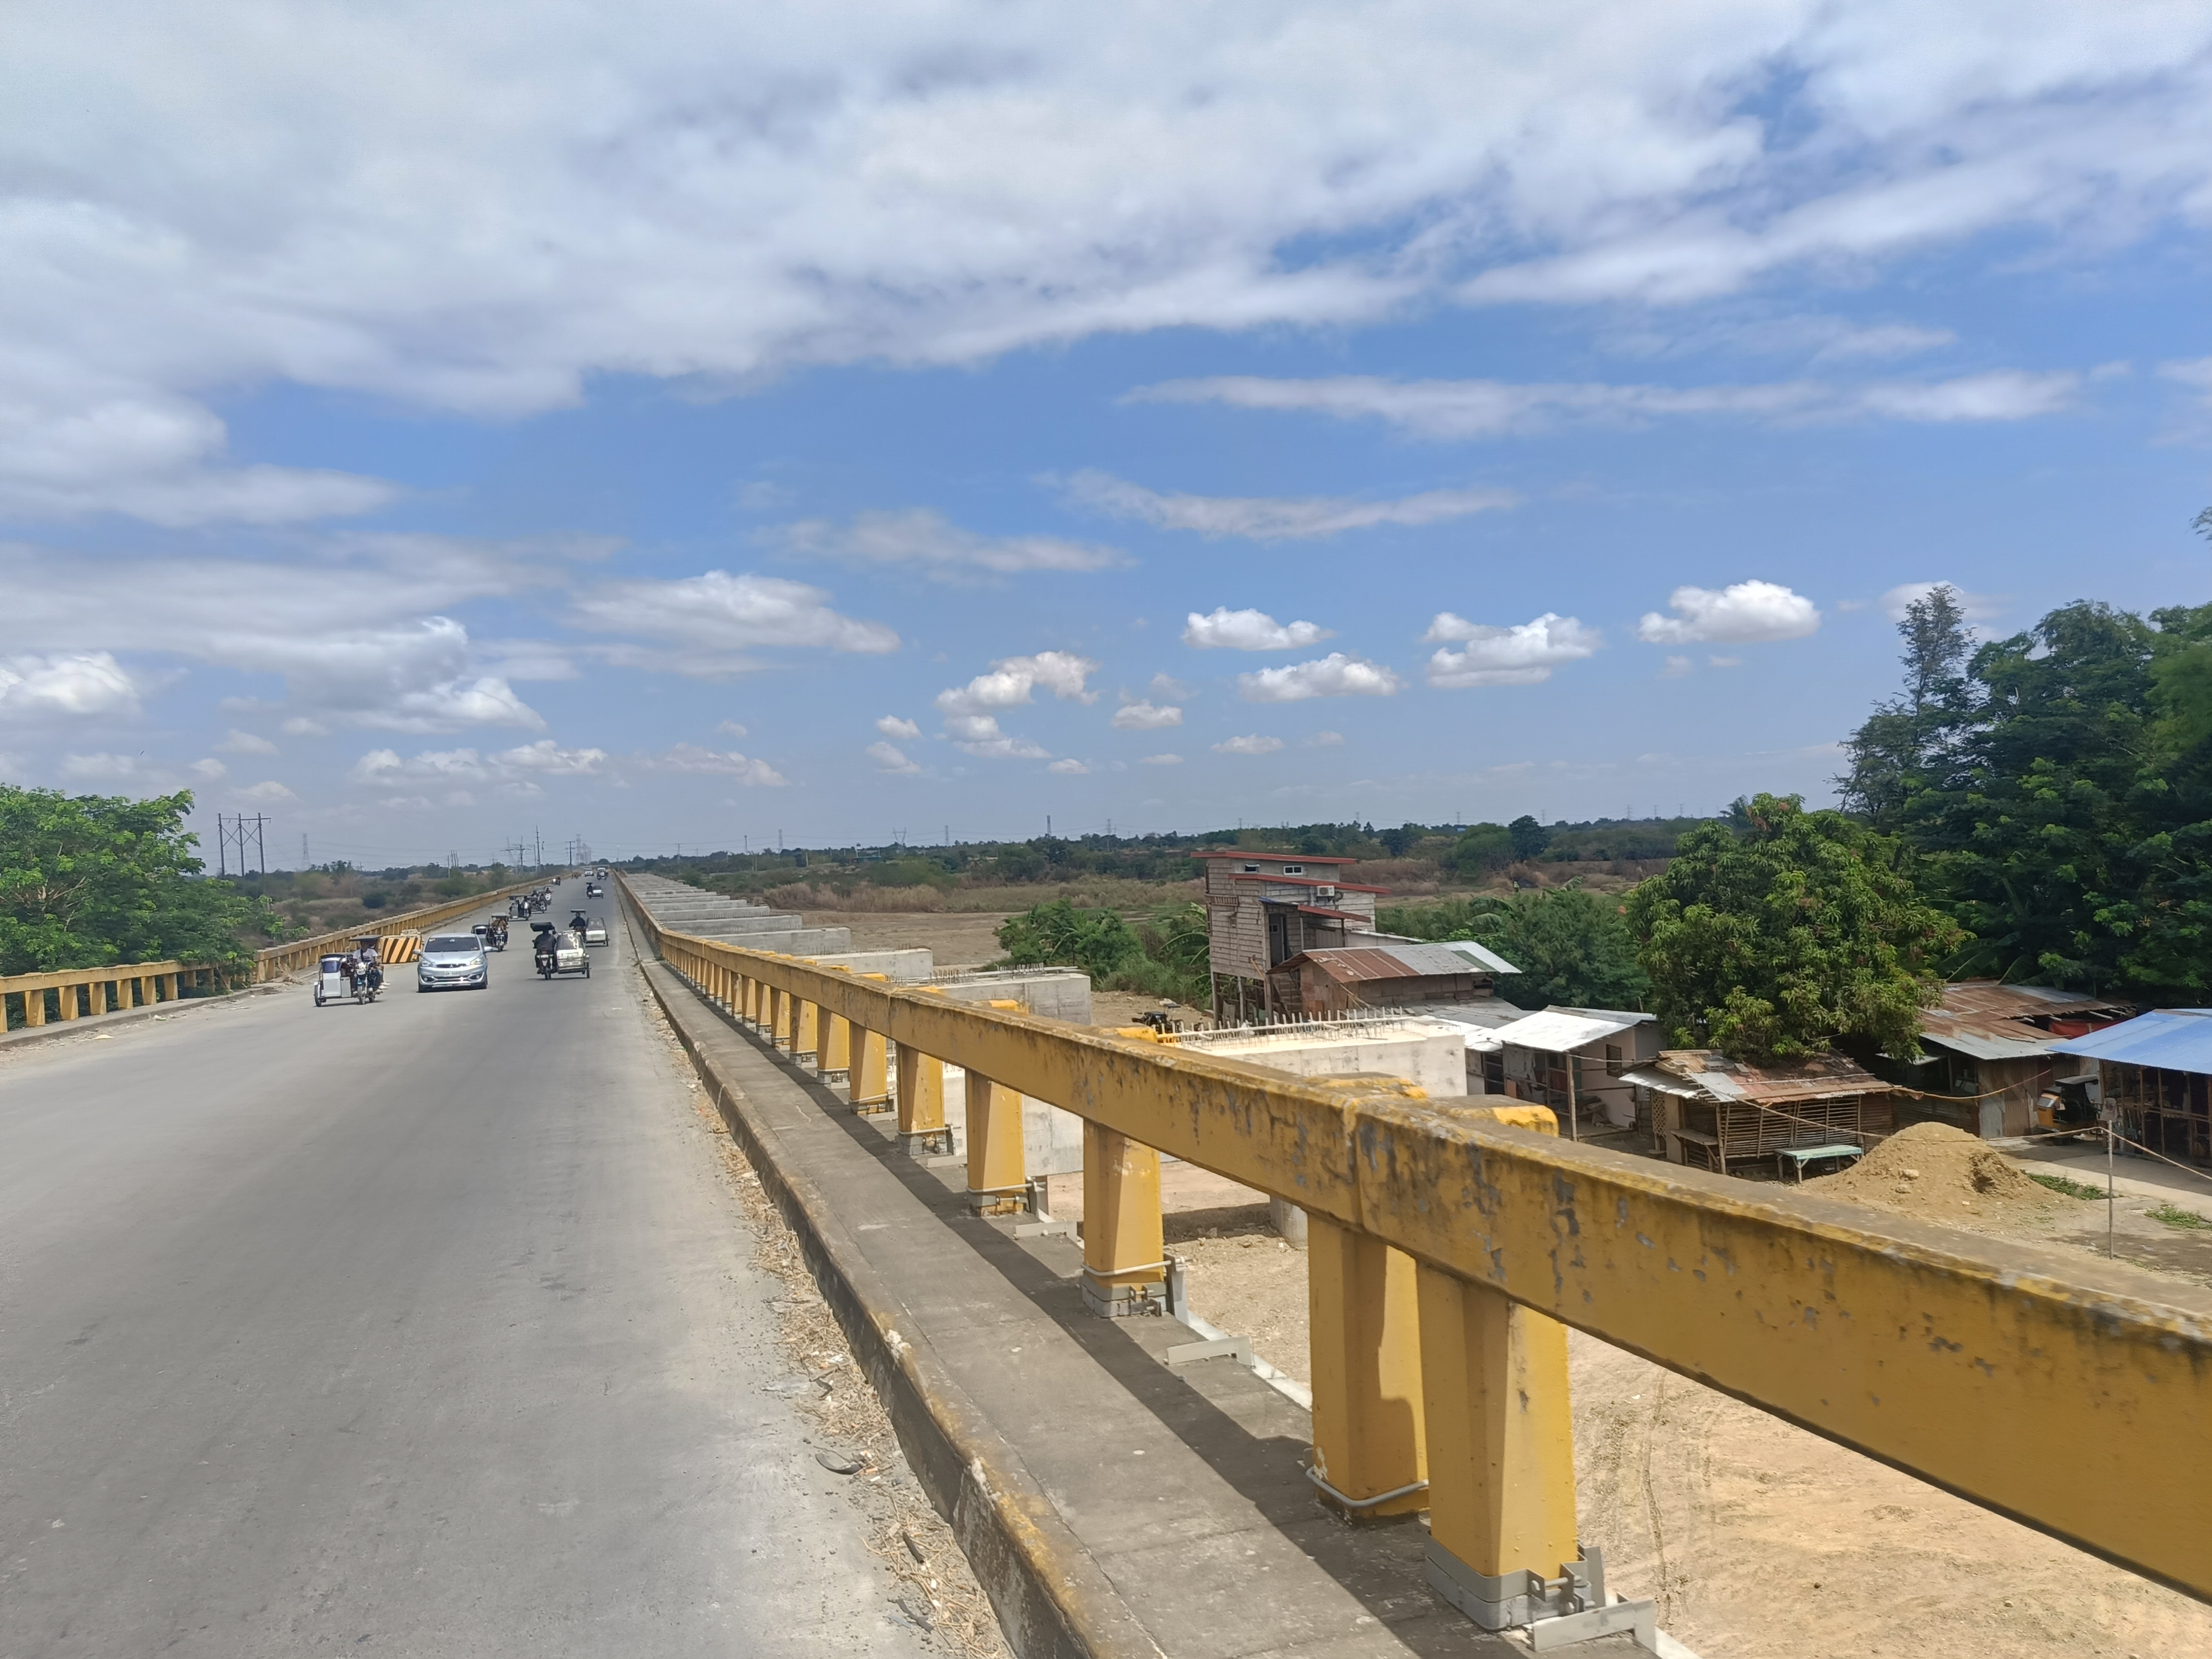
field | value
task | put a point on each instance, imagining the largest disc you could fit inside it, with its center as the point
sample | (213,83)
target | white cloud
(1166,688)
(716,619)
(1335,675)
(1272,519)
(1676,667)
(1070,768)
(979,734)
(1325,740)
(1524,653)
(929,541)
(1979,607)
(732,729)
(888,757)
(235,742)
(300,727)
(694,193)
(267,793)
(1011,679)
(1146,717)
(1224,629)
(1495,409)
(101,768)
(1162,760)
(86,683)
(543,759)
(1254,745)
(546,758)
(210,769)
(1738,614)
(894,725)
(689,758)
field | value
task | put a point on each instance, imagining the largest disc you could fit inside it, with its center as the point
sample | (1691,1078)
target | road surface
(423,1328)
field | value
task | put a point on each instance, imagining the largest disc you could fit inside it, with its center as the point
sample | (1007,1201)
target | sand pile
(1937,1173)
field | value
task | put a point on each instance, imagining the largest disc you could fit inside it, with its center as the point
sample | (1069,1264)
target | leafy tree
(1573,947)
(1530,837)
(87,880)
(1096,940)
(1907,743)
(1175,957)
(1483,849)
(1779,943)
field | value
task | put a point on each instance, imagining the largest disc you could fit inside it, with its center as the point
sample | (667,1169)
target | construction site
(1735,1530)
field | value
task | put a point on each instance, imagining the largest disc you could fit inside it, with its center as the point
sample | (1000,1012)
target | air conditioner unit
(1324,892)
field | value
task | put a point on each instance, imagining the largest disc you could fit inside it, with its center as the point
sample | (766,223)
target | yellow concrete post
(1124,1256)
(1501,1444)
(997,1183)
(922,1126)
(1364,1323)
(65,996)
(867,1081)
(779,1001)
(176,987)
(750,989)
(805,1028)
(34,1007)
(836,1035)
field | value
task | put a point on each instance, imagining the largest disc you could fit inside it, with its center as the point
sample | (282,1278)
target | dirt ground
(1761,1540)
(959,939)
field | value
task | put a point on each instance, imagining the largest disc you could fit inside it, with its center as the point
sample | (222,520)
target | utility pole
(304,864)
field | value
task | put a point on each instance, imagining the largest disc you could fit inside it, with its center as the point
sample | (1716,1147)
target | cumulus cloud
(300,727)
(210,769)
(728,764)
(1146,716)
(1254,745)
(235,742)
(1335,675)
(716,621)
(1224,629)
(888,757)
(66,684)
(1011,679)
(894,725)
(1524,653)
(1676,667)
(732,729)
(1979,607)
(102,768)
(543,759)
(1070,768)
(979,734)
(1273,518)
(1739,614)
(1162,760)
(546,758)
(930,543)
(1448,410)
(267,793)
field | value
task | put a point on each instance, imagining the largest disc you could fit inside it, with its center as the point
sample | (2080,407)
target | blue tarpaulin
(2172,1039)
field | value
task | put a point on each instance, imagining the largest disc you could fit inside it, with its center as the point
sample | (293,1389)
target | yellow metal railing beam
(1916,1344)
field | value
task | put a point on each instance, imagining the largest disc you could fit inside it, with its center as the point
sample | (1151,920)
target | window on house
(1294,869)
(1251,869)
(1612,1065)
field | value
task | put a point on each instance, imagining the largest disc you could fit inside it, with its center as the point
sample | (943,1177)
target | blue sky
(933,419)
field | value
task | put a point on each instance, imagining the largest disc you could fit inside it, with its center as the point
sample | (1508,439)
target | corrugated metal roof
(2174,1039)
(1351,964)
(1556,1031)
(1823,1078)
(1481,954)
(1336,915)
(1986,1020)
(1651,1076)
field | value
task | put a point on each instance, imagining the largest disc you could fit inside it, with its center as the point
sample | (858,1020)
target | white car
(595,932)
(452,962)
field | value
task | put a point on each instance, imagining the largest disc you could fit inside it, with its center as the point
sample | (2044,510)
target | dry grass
(1112,892)
(938,1592)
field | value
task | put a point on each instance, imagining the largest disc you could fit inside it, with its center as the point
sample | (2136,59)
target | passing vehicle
(595,931)
(452,962)
(592,889)
(341,975)
(562,953)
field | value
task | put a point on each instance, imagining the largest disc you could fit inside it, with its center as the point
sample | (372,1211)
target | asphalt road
(423,1328)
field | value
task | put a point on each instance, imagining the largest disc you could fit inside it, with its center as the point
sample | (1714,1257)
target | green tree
(87,880)
(1062,932)
(1482,849)
(1909,743)
(1175,957)
(1777,943)
(1573,947)
(1530,837)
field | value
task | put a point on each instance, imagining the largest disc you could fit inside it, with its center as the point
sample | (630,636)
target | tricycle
(560,951)
(357,974)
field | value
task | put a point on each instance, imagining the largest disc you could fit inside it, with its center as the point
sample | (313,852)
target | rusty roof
(1351,964)
(1823,1077)
(1987,1020)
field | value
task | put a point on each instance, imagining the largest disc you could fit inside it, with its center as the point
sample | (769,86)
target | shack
(1575,1061)
(1383,973)
(2155,1070)
(1262,909)
(1993,1048)
(1713,1112)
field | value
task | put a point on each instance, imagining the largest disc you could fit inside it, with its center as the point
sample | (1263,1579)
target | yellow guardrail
(1447,1239)
(281,959)
(78,993)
